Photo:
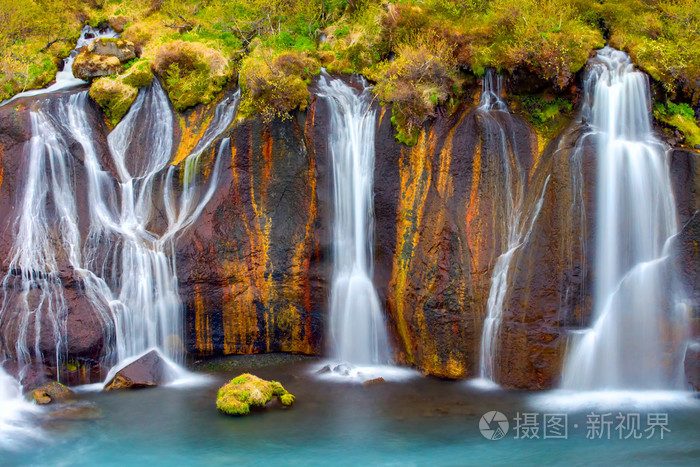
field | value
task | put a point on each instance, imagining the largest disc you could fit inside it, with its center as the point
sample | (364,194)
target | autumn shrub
(273,84)
(421,78)
(662,38)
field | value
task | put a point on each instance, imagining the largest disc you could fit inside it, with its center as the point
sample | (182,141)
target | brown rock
(148,371)
(76,412)
(118,23)
(51,392)
(122,49)
(88,66)
(374,382)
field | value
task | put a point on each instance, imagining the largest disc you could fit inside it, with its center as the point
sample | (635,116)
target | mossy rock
(246,391)
(114,97)
(139,74)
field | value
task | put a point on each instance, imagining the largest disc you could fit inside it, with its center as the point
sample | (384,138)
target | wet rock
(88,66)
(148,371)
(550,275)
(325,370)
(374,382)
(692,365)
(52,391)
(687,244)
(342,369)
(252,270)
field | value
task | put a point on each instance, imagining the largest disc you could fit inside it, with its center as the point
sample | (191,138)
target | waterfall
(490,106)
(13,410)
(357,328)
(65,78)
(126,269)
(628,345)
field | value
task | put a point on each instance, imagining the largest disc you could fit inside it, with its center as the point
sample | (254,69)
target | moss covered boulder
(114,96)
(246,391)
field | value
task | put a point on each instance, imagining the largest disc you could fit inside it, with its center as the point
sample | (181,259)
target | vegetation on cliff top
(420,53)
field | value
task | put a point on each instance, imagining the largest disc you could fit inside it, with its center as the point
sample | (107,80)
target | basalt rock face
(449,227)
(251,271)
(685,175)
(254,270)
(550,277)
(83,344)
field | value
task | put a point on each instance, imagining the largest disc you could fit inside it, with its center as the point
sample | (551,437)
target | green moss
(192,72)
(114,97)
(138,73)
(274,84)
(680,117)
(662,38)
(246,391)
(287,400)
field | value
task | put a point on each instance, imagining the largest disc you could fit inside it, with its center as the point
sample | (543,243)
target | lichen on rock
(51,392)
(246,391)
(113,47)
(88,66)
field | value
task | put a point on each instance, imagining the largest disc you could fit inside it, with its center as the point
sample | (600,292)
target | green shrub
(421,78)
(192,72)
(681,117)
(272,85)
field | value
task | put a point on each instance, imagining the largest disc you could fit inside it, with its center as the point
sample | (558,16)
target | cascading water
(13,411)
(126,270)
(512,209)
(65,78)
(628,345)
(358,330)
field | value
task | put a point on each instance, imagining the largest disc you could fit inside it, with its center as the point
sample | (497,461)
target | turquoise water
(415,422)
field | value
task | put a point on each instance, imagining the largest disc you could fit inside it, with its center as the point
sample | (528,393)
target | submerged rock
(246,391)
(51,392)
(148,371)
(374,382)
(76,412)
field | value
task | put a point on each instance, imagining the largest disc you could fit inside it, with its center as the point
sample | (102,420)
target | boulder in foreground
(51,392)
(246,391)
(148,371)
